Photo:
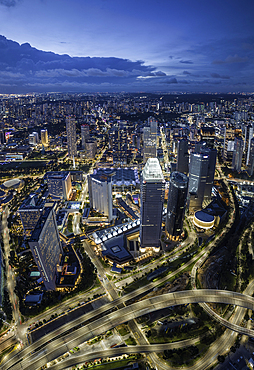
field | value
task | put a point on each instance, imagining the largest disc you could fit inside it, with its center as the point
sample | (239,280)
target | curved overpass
(58,347)
(79,359)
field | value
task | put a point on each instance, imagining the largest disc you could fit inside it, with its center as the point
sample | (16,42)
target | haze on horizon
(141,45)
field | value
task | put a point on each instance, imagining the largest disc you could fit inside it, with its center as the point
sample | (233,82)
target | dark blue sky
(116,45)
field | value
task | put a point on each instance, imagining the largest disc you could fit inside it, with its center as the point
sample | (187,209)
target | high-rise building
(197,180)
(247,142)
(71,137)
(208,136)
(100,193)
(91,148)
(33,138)
(237,154)
(59,184)
(149,144)
(228,147)
(30,212)
(152,199)
(46,247)
(212,153)
(85,135)
(177,196)
(119,144)
(182,156)
(250,167)
(44,137)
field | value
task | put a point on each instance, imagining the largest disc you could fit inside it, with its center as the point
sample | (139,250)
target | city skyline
(132,46)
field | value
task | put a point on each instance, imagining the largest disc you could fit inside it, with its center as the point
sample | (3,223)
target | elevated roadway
(45,353)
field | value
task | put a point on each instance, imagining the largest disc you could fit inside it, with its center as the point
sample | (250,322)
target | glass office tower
(177,197)
(152,199)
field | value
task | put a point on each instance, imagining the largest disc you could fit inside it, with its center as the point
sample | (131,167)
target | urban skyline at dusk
(108,45)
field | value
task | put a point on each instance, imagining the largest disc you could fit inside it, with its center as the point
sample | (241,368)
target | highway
(105,322)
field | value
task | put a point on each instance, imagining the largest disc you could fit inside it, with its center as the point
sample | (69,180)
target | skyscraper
(71,137)
(100,193)
(228,147)
(44,137)
(247,142)
(212,153)
(197,180)
(150,139)
(250,167)
(85,135)
(237,154)
(152,199)
(177,196)
(46,247)
(59,184)
(182,156)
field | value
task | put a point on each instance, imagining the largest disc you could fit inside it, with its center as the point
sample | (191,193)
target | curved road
(105,322)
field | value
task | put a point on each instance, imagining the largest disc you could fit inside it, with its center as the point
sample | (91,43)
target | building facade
(199,163)
(237,154)
(85,135)
(44,137)
(59,184)
(182,156)
(100,194)
(177,196)
(151,199)
(46,247)
(30,212)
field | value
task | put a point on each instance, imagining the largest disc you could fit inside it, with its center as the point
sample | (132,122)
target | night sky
(126,45)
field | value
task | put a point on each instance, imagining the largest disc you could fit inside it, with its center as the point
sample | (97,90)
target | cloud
(186,61)
(9,3)
(216,75)
(171,81)
(231,59)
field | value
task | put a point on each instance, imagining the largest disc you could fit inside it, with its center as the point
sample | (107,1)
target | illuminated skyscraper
(177,196)
(197,180)
(150,140)
(100,194)
(85,135)
(44,137)
(46,247)
(59,184)
(250,167)
(152,199)
(182,156)
(237,154)
(30,212)
(71,137)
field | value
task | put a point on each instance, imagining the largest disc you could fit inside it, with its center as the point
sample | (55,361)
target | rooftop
(152,170)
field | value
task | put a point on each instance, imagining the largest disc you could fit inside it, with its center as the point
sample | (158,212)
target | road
(10,279)
(107,321)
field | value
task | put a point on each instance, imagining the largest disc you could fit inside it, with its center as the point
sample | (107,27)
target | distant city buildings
(177,196)
(46,247)
(71,137)
(152,200)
